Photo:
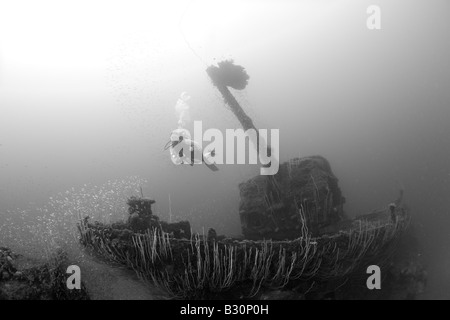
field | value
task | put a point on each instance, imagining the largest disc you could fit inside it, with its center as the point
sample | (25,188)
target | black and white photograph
(220,156)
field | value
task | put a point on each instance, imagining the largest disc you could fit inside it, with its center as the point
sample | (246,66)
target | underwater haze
(88,92)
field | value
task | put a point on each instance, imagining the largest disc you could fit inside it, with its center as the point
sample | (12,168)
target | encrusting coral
(35,280)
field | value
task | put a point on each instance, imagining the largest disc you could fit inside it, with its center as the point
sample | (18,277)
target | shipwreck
(296,235)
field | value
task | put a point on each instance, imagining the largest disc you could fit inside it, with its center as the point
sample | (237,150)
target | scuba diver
(180,141)
(182,148)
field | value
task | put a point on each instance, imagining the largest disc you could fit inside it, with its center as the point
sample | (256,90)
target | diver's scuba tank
(184,150)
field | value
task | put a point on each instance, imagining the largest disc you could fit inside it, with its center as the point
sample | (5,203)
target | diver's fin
(213,167)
